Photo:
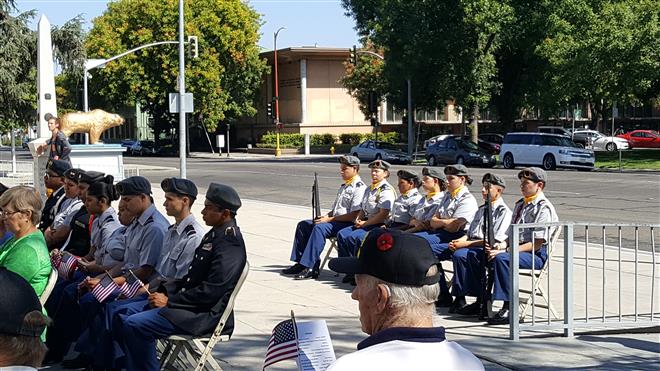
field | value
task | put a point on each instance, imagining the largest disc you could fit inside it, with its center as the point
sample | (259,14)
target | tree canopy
(224,79)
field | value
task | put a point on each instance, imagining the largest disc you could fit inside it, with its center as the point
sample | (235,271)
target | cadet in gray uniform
(376,206)
(434,185)
(469,250)
(185,234)
(59,230)
(534,207)
(405,205)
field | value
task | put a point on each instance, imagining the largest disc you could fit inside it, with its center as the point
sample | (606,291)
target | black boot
(306,274)
(293,270)
(501,317)
(457,305)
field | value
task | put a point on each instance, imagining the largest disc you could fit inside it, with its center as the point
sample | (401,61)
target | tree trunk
(474,124)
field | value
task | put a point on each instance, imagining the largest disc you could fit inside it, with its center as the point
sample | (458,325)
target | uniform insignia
(207,246)
(230,231)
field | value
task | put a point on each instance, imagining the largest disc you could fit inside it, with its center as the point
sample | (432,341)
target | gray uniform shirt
(463,206)
(404,207)
(179,246)
(349,197)
(69,208)
(501,221)
(380,196)
(428,206)
(113,248)
(103,227)
(539,210)
(144,239)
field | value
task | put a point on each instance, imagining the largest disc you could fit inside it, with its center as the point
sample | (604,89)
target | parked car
(455,150)
(554,130)
(642,138)
(143,148)
(598,141)
(492,137)
(490,147)
(546,150)
(370,150)
(436,138)
(128,143)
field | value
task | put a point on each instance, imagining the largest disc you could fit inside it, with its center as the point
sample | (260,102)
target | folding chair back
(52,280)
(198,349)
(537,288)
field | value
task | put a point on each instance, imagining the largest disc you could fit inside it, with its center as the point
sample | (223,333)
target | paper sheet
(315,351)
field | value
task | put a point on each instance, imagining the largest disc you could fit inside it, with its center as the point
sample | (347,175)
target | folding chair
(52,280)
(333,246)
(537,289)
(197,350)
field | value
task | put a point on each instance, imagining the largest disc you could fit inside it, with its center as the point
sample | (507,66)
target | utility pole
(278,151)
(182,91)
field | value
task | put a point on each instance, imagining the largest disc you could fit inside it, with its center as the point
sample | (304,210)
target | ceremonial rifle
(489,239)
(316,202)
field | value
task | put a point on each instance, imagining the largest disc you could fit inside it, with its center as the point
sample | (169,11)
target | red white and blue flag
(67,265)
(131,286)
(104,288)
(283,343)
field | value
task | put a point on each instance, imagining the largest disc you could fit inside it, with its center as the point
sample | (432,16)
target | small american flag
(131,286)
(104,288)
(55,260)
(283,343)
(68,265)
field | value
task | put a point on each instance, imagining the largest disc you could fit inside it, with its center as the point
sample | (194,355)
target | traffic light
(353,56)
(269,110)
(193,51)
(374,121)
(373,102)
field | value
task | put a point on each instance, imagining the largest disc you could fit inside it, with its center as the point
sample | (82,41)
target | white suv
(548,151)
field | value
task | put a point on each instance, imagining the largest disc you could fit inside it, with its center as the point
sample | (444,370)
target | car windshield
(383,145)
(468,145)
(567,142)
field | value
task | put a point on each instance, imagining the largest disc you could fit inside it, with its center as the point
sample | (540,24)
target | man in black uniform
(78,242)
(194,304)
(54,179)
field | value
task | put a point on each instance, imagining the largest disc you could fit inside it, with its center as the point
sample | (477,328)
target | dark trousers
(439,241)
(309,240)
(139,333)
(467,271)
(350,238)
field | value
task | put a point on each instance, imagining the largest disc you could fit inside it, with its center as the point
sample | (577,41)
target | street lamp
(278,151)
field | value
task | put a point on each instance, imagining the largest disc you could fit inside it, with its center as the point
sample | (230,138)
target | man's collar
(184,223)
(412,334)
(146,214)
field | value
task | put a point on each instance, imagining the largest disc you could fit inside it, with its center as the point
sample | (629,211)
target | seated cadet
(468,256)
(404,206)
(375,210)
(534,207)
(452,219)
(144,240)
(54,180)
(179,246)
(194,304)
(59,230)
(434,184)
(309,239)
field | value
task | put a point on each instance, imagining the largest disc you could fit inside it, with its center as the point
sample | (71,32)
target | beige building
(312,100)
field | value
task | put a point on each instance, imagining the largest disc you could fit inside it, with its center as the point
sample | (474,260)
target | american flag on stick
(68,265)
(104,288)
(131,286)
(283,342)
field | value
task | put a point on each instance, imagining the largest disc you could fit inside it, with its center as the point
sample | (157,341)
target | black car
(455,150)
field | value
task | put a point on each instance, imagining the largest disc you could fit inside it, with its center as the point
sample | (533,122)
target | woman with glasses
(25,253)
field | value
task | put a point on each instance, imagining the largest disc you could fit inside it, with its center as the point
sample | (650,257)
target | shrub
(351,138)
(286,140)
(356,138)
(322,140)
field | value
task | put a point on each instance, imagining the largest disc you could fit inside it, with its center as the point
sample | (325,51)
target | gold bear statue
(94,122)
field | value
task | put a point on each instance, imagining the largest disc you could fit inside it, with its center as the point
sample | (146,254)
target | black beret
(223,196)
(349,160)
(380,164)
(493,179)
(534,174)
(58,166)
(434,173)
(135,185)
(458,169)
(73,174)
(90,176)
(179,186)
(408,175)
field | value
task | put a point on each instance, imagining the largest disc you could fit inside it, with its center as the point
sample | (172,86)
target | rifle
(486,269)
(316,203)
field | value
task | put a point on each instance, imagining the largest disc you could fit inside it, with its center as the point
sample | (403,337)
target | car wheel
(610,147)
(378,157)
(549,162)
(459,160)
(579,145)
(356,155)
(431,160)
(507,161)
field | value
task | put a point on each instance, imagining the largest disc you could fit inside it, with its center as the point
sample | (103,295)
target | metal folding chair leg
(333,246)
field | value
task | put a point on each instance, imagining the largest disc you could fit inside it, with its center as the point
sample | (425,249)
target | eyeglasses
(48,176)
(7,214)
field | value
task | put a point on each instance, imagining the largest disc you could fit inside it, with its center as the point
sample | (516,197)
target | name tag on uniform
(207,246)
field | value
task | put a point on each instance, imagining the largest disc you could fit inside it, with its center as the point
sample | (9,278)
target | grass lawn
(634,159)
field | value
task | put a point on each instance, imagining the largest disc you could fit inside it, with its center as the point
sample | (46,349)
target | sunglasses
(529,175)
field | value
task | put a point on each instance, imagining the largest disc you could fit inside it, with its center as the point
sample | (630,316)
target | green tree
(224,79)
(365,77)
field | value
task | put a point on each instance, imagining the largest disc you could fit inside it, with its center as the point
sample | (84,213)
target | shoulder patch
(149,220)
(230,231)
(190,230)
(359,183)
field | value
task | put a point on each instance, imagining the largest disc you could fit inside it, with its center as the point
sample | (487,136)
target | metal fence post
(514,305)
(568,280)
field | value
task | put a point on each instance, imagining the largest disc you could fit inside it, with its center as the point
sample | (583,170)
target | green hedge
(355,138)
(287,140)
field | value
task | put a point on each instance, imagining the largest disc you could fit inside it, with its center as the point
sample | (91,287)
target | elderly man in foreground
(397,285)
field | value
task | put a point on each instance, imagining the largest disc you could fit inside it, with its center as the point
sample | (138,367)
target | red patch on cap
(384,242)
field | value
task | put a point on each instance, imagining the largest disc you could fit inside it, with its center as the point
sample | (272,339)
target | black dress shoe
(82,361)
(293,270)
(458,303)
(470,310)
(500,318)
(444,302)
(306,274)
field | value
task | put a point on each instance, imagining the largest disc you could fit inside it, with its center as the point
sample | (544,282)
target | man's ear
(383,293)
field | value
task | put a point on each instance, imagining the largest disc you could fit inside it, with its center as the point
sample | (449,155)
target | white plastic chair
(52,280)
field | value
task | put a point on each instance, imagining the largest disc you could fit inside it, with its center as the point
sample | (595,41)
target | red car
(642,138)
